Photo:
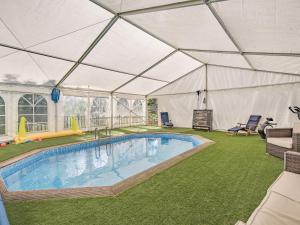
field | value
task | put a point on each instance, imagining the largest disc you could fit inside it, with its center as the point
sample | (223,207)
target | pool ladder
(97,137)
(97,132)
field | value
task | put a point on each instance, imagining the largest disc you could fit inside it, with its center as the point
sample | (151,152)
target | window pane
(40,127)
(29,118)
(2,120)
(29,98)
(23,101)
(37,98)
(1,101)
(25,110)
(2,130)
(41,101)
(2,110)
(41,118)
(40,110)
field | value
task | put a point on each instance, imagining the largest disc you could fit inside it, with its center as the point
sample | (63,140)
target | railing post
(111,111)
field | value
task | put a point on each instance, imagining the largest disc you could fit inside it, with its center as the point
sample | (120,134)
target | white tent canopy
(158,48)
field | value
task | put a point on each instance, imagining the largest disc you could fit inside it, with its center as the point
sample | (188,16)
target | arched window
(34,108)
(137,107)
(2,116)
(99,109)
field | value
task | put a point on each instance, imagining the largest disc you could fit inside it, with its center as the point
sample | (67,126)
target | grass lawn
(218,186)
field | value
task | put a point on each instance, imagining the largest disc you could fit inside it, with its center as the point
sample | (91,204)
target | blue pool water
(97,163)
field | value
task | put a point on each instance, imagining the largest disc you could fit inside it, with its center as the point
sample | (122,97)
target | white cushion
(281,205)
(276,210)
(284,142)
(288,185)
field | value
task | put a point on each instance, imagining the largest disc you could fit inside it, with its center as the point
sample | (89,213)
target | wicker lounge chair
(281,140)
(165,122)
(249,127)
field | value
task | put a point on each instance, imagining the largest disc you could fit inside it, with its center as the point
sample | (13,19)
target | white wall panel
(233,106)
(180,108)
(224,78)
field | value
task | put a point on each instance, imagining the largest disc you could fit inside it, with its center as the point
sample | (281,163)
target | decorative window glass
(34,108)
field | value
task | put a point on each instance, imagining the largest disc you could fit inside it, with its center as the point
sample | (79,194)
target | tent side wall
(180,98)
(233,94)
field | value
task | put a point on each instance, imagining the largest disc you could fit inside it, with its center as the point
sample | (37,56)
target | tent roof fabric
(138,47)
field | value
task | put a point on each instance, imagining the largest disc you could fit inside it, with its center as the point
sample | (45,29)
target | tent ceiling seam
(146,70)
(64,35)
(256,86)
(179,78)
(180,93)
(244,52)
(141,28)
(175,5)
(21,44)
(222,24)
(255,70)
(89,49)
(60,58)
(149,33)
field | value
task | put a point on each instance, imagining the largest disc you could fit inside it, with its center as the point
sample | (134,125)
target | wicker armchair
(292,162)
(281,140)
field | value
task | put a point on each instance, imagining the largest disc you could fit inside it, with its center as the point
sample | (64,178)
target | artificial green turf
(219,185)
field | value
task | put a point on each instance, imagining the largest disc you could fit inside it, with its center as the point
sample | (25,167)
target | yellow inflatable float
(22,137)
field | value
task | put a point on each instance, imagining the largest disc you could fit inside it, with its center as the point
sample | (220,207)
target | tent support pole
(149,68)
(206,87)
(139,27)
(222,24)
(146,110)
(111,111)
(175,5)
(244,53)
(56,117)
(179,78)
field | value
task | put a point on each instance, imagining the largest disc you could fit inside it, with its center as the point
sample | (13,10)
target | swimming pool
(96,163)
